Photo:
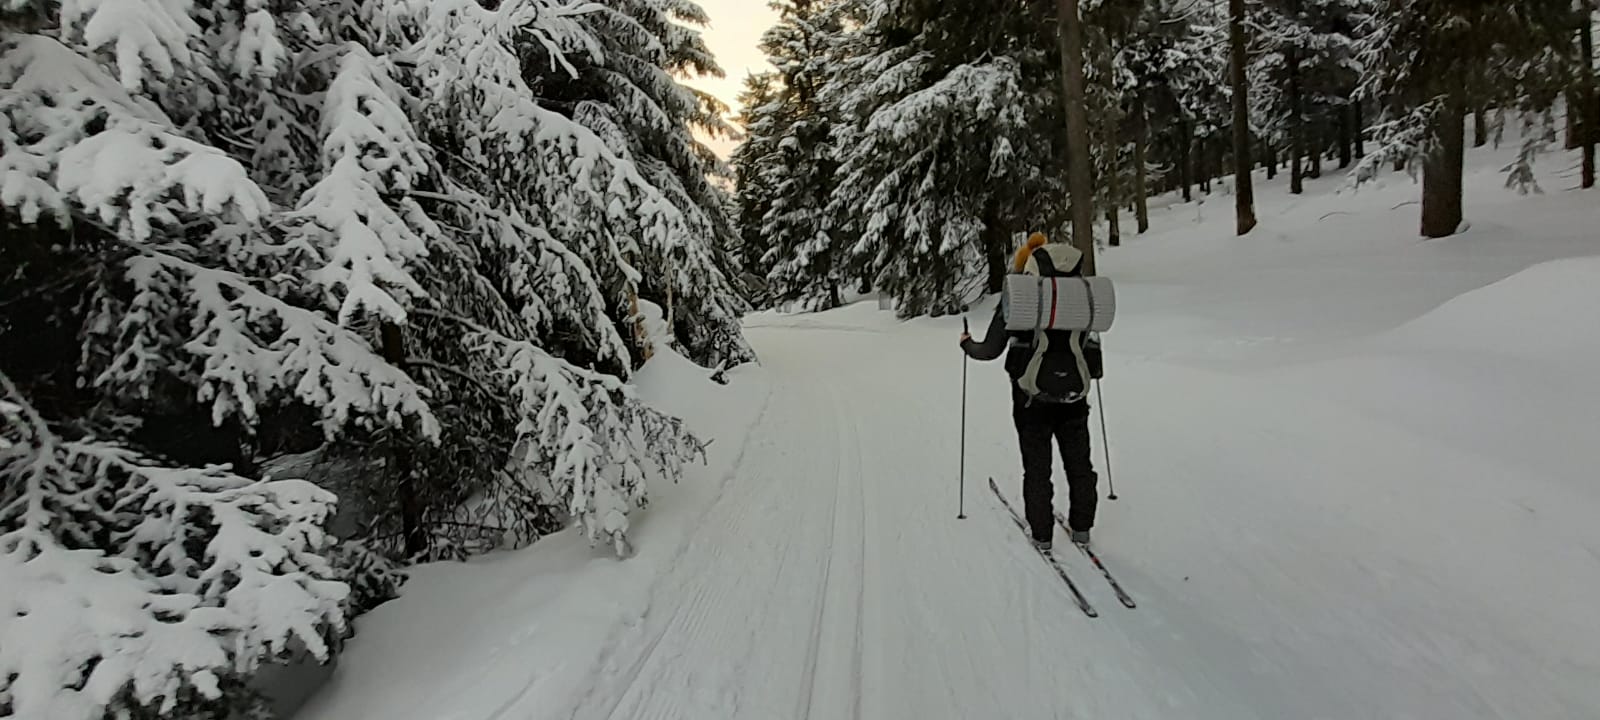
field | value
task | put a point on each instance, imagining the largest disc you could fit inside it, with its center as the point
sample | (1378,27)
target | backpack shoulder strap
(1043,261)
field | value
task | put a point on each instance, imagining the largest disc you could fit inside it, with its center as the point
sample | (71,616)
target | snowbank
(516,634)
(1505,372)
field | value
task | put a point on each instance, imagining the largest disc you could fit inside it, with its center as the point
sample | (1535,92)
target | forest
(296,295)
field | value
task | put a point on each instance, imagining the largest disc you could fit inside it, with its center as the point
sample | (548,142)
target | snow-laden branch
(584,436)
(253,350)
(128,584)
(72,139)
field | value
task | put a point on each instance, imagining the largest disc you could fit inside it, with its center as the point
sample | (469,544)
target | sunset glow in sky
(734,33)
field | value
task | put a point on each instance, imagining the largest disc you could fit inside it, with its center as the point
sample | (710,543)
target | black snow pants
(1068,424)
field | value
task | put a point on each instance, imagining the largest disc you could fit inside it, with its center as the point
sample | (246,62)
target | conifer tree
(952,146)
(361,242)
(1431,61)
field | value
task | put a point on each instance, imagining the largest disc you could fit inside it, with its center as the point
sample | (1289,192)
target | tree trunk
(1574,113)
(1318,144)
(1480,110)
(1272,161)
(996,248)
(1442,168)
(1296,126)
(1359,110)
(1141,190)
(1202,165)
(1589,107)
(1185,149)
(1244,194)
(413,534)
(1346,154)
(1113,183)
(1069,33)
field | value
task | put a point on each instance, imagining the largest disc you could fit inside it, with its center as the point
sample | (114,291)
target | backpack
(1054,366)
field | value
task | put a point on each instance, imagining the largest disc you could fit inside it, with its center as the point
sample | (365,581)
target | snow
(517,634)
(1356,475)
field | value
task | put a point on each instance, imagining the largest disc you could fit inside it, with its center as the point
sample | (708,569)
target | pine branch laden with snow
(258,186)
(142,37)
(244,350)
(134,586)
(371,151)
(72,140)
(466,56)
(595,168)
(584,438)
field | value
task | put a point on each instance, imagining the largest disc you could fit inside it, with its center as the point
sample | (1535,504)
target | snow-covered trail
(832,579)
(1280,574)
(1349,493)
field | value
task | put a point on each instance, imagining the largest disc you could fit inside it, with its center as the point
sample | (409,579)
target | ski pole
(1105,441)
(961,512)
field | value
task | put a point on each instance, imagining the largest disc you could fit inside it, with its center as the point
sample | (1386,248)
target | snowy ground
(1358,477)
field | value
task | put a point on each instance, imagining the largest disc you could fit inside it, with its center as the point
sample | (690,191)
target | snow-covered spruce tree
(629,96)
(343,233)
(1429,62)
(542,222)
(1307,69)
(805,260)
(753,174)
(954,146)
(148,300)
(1171,62)
(1109,26)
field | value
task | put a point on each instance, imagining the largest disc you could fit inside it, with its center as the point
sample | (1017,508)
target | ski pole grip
(964,326)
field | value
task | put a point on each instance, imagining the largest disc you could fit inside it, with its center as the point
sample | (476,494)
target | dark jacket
(994,344)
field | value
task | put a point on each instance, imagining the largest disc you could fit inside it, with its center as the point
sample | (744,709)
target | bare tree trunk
(1319,144)
(1141,191)
(413,534)
(1297,149)
(995,249)
(1244,193)
(1359,109)
(1113,184)
(1272,160)
(1080,184)
(1480,110)
(1589,106)
(1345,141)
(1202,165)
(1185,149)
(1442,169)
(1574,113)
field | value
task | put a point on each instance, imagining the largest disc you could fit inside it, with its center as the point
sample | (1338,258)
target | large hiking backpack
(1054,366)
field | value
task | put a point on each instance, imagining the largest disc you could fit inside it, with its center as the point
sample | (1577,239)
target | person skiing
(1050,374)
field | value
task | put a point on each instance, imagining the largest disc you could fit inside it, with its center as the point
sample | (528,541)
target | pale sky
(734,33)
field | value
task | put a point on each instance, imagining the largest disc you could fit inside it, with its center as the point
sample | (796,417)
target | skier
(1050,372)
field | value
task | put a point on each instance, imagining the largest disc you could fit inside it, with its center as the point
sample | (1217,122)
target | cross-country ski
(1094,558)
(1047,554)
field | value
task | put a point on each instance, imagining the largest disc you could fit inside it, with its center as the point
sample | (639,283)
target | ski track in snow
(832,580)
(1327,513)
(786,539)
